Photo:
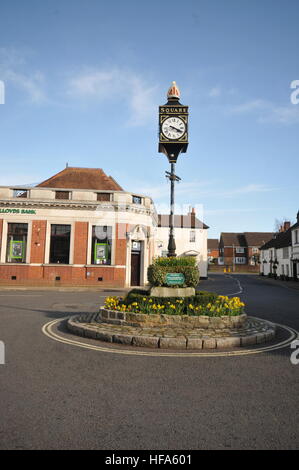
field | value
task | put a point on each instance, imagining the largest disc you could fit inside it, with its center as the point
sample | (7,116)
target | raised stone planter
(143,320)
(180,334)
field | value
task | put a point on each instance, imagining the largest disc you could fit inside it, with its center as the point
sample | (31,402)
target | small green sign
(174,279)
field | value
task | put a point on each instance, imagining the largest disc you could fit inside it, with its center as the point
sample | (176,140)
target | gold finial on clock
(173,91)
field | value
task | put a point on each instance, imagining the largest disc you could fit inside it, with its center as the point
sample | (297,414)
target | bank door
(135,263)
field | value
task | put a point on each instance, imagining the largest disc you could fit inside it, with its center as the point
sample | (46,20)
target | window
(60,244)
(62,195)
(240,260)
(192,236)
(137,200)
(296,237)
(285,252)
(101,244)
(103,196)
(16,243)
(282,269)
(255,249)
(20,193)
(240,249)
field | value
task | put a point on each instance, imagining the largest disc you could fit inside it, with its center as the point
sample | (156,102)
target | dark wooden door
(135,269)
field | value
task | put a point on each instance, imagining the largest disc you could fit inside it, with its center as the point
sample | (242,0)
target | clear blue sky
(84,79)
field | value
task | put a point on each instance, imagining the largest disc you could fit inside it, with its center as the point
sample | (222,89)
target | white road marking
(48,331)
(240,291)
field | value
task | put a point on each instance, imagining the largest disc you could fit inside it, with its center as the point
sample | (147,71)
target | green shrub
(175,261)
(185,265)
(200,298)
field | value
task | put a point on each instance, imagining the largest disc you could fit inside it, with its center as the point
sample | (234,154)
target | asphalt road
(57,396)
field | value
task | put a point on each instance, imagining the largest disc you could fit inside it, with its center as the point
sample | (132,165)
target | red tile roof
(81,178)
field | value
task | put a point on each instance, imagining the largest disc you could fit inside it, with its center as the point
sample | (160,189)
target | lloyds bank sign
(17,211)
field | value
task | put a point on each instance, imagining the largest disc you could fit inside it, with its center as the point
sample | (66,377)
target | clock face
(173,128)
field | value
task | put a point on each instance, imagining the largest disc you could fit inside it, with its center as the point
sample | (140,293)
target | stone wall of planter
(152,320)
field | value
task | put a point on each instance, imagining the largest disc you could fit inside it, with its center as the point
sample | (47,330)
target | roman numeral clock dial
(173,125)
(173,128)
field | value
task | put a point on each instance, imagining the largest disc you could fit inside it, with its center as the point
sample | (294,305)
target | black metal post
(171,242)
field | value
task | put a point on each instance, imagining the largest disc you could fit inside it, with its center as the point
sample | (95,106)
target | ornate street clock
(173,125)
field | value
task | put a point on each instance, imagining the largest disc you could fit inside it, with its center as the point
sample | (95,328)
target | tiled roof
(181,221)
(230,239)
(81,178)
(257,238)
(213,244)
(246,239)
(281,240)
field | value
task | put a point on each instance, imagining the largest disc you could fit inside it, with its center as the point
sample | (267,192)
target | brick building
(213,250)
(240,250)
(78,227)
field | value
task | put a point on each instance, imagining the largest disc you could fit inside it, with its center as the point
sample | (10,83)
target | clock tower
(173,125)
(173,140)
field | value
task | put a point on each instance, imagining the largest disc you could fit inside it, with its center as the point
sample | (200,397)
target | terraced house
(280,255)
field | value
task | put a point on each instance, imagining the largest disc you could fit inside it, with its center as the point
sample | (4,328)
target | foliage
(217,306)
(200,297)
(175,261)
(185,265)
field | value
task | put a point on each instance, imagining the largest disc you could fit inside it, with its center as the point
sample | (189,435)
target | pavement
(58,396)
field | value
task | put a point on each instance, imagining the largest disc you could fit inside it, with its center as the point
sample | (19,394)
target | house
(213,250)
(241,250)
(295,249)
(190,237)
(275,257)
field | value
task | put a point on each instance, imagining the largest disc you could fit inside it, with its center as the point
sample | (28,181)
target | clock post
(173,140)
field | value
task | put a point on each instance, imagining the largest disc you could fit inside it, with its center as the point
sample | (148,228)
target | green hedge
(200,298)
(161,266)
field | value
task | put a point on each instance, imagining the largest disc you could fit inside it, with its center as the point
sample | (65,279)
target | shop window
(101,244)
(62,195)
(60,244)
(103,196)
(16,243)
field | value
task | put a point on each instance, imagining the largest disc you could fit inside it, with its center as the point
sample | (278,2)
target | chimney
(286,226)
(192,214)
